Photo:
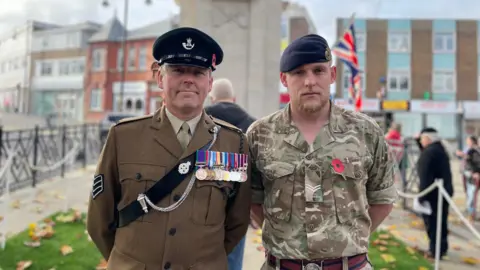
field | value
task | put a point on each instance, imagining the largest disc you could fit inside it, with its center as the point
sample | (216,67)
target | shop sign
(431,106)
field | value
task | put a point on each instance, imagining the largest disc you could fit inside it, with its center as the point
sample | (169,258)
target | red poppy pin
(214,61)
(338,166)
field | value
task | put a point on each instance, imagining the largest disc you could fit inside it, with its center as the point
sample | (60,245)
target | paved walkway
(30,205)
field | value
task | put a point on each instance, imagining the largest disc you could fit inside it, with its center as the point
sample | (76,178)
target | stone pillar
(251,43)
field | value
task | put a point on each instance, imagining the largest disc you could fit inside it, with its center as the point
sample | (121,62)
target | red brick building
(105,90)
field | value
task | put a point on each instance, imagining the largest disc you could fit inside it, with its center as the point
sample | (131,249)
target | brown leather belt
(354,263)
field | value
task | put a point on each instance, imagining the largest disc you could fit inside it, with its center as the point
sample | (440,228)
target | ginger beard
(309,86)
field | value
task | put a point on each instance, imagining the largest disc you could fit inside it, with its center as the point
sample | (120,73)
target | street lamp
(106,3)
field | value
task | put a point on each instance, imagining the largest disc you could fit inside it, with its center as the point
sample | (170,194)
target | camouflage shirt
(316,197)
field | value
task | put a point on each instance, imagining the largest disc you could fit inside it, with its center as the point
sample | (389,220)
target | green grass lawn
(48,255)
(385,247)
(86,257)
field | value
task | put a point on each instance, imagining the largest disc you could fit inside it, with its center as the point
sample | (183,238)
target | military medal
(201,173)
(243,168)
(234,174)
(226,166)
(218,165)
(208,159)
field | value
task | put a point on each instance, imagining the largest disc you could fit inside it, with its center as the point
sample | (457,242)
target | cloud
(15,13)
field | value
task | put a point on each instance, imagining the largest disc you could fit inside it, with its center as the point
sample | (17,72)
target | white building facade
(59,59)
(15,65)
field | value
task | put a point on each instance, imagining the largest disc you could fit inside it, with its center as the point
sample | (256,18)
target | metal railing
(42,147)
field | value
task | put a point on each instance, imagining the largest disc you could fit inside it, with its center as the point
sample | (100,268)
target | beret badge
(328,55)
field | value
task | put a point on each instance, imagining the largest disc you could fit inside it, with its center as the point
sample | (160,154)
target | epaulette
(226,125)
(132,119)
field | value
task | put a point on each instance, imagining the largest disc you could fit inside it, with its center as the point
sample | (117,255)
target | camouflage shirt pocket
(279,183)
(349,190)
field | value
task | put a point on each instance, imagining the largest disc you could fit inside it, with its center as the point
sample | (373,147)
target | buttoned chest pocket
(210,201)
(349,178)
(135,179)
(279,185)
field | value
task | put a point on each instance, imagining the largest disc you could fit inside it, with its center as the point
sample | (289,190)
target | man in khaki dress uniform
(322,176)
(171,190)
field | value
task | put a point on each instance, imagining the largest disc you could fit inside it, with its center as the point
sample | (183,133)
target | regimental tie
(183,135)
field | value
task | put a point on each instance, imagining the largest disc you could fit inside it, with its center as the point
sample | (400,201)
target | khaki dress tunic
(198,234)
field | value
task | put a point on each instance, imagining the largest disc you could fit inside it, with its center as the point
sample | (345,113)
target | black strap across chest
(157,192)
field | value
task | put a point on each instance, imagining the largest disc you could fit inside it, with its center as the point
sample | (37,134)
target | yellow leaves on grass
(102,265)
(22,265)
(388,258)
(65,250)
(68,218)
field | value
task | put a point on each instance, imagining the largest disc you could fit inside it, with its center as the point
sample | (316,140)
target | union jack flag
(346,50)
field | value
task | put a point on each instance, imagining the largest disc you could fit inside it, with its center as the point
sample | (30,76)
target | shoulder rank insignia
(226,124)
(97,185)
(133,119)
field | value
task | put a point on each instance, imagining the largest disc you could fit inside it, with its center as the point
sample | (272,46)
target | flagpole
(350,22)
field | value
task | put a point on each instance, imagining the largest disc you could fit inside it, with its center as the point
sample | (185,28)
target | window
(96,100)
(361,41)
(346,81)
(444,43)
(399,81)
(45,69)
(443,82)
(72,40)
(64,68)
(142,58)
(120,59)
(77,67)
(132,59)
(98,61)
(398,42)
(139,105)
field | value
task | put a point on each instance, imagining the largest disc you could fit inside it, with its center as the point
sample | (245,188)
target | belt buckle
(313,266)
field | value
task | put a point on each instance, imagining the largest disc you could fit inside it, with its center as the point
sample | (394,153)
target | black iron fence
(44,147)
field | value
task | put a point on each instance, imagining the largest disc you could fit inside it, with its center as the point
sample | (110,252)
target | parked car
(111,119)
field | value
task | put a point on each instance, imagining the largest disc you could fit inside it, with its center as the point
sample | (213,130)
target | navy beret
(428,130)
(187,46)
(305,50)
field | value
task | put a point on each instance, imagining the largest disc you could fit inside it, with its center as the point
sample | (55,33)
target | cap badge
(328,55)
(188,45)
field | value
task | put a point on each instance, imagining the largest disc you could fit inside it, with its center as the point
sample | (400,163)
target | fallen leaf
(388,258)
(456,247)
(384,236)
(422,268)
(261,248)
(259,232)
(382,248)
(470,260)
(102,265)
(65,250)
(21,265)
(32,243)
(413,239)
(15,204)
(257,240)
(394,244)
(410,250)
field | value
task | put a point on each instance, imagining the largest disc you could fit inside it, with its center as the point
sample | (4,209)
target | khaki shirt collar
(177,123)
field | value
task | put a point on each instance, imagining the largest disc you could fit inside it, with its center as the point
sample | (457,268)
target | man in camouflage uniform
(322,177)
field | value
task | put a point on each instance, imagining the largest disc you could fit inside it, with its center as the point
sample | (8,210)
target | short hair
(474,139)
(222,89)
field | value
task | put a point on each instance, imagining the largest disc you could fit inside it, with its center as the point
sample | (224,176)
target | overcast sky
(323,12)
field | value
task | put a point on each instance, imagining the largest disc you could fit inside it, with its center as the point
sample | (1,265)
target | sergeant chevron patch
(97,185)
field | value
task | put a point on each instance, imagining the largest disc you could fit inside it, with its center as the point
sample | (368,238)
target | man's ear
(283,79)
